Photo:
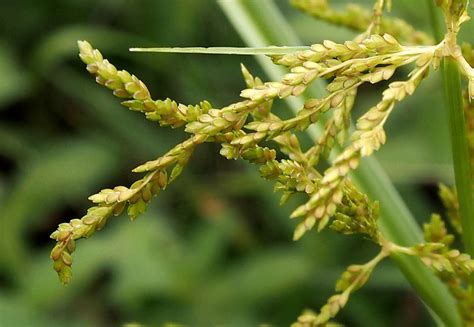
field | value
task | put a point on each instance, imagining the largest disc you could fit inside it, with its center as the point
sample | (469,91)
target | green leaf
(57,176)
(268,51)
(15,81)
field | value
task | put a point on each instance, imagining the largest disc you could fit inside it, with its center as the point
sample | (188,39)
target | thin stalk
(259,23)
(460,151)
(464,176)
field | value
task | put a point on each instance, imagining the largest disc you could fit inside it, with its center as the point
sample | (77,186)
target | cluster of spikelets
(241,127)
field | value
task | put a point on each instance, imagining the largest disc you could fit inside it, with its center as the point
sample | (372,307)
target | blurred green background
(215,248)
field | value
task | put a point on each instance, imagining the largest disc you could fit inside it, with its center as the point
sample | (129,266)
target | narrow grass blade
(268,51)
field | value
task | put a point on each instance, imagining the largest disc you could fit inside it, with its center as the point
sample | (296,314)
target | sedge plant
(249,130)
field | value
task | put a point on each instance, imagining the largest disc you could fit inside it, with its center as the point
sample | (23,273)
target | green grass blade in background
(15,81)
(397,223)
(32,195)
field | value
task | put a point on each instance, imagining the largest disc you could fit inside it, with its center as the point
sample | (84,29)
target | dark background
(215,247)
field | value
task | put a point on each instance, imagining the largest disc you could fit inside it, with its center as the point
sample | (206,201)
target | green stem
(259,23)
(464,176)
(460,151)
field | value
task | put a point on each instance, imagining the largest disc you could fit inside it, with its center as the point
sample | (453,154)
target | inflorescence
(241,128)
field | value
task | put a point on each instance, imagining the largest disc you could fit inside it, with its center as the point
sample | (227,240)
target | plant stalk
(464,176)
(259,23)
(460,151)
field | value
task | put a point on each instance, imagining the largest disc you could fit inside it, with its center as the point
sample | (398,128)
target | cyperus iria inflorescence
(240,128)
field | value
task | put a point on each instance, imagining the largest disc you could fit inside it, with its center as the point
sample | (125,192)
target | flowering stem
(397,223)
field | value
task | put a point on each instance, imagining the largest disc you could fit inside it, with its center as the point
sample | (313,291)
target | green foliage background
(215,248)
